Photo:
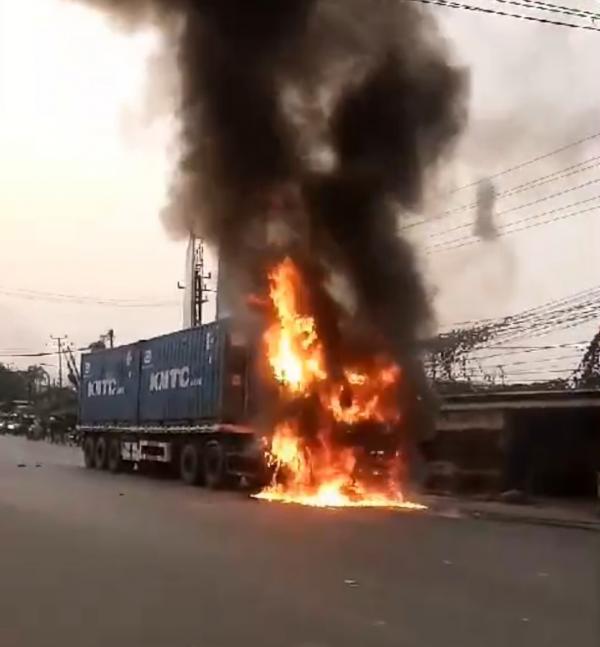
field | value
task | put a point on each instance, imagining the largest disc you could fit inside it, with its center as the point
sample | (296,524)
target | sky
(85,164)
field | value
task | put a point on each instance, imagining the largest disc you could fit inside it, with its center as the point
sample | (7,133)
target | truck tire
(115,464)
(89,452)
(101,453)
(190,464)
(215,465)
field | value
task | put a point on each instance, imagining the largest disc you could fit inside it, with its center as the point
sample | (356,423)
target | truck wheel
(101,453)
(214,465)
(89,452)
(190,469)
(114,456)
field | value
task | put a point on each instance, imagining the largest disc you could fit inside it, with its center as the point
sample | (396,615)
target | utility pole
(59,340)
(200,288)
(198,278)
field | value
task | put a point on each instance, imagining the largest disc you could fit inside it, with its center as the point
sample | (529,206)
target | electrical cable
(555,176)
(451,4)
(468,241)
(34,295)
(552,8)
(518,207)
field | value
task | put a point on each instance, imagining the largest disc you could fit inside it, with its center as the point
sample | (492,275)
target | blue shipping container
(109,386)
(186,377)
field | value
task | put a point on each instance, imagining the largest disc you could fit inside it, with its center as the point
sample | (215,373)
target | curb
(577,524)
(459,511)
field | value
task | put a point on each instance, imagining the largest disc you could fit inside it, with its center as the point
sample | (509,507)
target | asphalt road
(88,559)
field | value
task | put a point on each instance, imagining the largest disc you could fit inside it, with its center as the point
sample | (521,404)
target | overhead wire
(551,8)
(468,241)
(580,167)
(495,353)
(595,290)
(564,8)
(53,297)
(533,160)
(518,207)
(44,353)
(533,328)
(451,4)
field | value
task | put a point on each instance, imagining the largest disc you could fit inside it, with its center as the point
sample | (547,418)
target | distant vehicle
(15,423)
(25,423)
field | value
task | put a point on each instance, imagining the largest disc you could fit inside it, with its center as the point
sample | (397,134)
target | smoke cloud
(485,226)
(325,116)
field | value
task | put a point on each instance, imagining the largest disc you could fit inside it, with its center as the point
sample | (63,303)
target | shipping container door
(109,386)
(211,368)
(235,380)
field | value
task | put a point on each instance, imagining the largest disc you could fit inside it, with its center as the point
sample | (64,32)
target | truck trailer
(181,400)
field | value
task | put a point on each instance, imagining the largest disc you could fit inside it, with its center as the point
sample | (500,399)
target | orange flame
(323,474)
(293,348)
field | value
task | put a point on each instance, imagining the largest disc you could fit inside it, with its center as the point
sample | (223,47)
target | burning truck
(321,121)
(196,400)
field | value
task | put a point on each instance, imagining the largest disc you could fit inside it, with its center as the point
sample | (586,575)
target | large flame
(293,348)
(323,472)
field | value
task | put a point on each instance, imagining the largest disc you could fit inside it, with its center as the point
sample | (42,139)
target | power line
(557,371)
(580,167)
(525,205)
(545,361)
(569,299)
(573,301)
(547,6)
(26,355)
(466,241)
(572,322)
(541,360)
(527,350)
(531,161)
(559,314)
(450,4)
(34,295)
(552,8)
(37,354)
(515,328)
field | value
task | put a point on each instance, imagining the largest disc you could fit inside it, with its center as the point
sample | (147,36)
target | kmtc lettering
(108,387)
(174,378)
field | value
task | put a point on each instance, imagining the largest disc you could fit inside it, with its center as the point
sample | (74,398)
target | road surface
(88,559)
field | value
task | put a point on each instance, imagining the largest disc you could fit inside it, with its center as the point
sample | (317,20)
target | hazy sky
(84,172)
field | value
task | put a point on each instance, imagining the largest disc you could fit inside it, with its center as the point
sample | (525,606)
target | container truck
(185,401)
(181,400)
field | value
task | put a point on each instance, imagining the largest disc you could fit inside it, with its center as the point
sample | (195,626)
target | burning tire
(215,463)
(101,453)
(89,452)
(114,460)
(190,467)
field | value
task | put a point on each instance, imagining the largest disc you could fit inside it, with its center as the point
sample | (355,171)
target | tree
(13,385)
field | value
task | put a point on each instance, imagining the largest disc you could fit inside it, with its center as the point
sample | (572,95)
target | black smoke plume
(323,115)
